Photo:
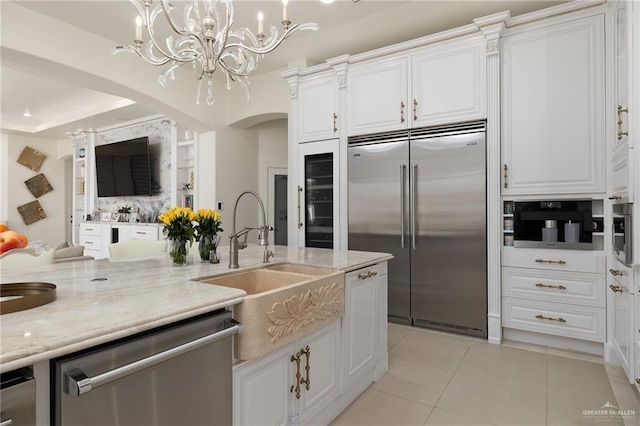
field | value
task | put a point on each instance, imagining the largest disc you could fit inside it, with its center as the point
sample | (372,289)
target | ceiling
(346,27)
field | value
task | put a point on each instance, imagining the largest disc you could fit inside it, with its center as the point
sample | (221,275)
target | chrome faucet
(263,236)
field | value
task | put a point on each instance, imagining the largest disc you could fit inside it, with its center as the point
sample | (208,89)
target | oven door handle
(78,383)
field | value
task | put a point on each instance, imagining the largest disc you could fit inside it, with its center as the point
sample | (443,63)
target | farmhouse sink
(284,302)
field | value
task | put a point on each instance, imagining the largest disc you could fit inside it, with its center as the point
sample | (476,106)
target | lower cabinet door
(636,380)
(622,338)
(323,370)
(261,392)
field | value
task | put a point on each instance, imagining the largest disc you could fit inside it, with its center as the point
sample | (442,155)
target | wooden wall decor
(31,212)
(38,185)
(32,158)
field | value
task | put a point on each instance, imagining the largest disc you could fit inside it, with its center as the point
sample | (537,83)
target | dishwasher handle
(78,383)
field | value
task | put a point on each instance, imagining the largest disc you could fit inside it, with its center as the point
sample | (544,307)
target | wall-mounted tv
(123,169)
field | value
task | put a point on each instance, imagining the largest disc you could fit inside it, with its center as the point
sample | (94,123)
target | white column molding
(491,28)
(174,165)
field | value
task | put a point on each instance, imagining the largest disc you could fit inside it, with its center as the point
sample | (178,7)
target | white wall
(236,172)
(4,177)
(51,230)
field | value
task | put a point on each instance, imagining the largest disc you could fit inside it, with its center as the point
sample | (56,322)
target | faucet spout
(263,236)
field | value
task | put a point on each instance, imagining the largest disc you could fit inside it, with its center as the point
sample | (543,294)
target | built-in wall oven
(622,237)
(175,375)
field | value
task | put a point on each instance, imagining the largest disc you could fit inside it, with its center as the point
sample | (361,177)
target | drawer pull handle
(88,229)
(88,242)
(542,317)
(559,287)
(616,272)
(559,262)
(369,274)
(615,288)
(615,197)
(141,233)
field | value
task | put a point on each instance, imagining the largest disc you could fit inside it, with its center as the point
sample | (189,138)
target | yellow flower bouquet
(179,229)
(208,225)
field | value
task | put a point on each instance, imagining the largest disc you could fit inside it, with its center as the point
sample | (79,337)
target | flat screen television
(123,168)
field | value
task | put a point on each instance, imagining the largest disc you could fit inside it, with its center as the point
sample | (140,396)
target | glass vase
(179,252)
(205,247)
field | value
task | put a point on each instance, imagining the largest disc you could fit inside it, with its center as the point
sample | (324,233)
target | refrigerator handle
(403,201)
(414,194)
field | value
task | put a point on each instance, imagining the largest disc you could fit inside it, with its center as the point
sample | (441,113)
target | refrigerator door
(448,256)
(378,197)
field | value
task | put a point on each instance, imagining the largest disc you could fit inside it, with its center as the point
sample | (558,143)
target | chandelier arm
(131,49)
(275,44)
(174,27)
(155,44)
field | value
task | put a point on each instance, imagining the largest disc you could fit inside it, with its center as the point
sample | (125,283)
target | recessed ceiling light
(327,1)
(26,113)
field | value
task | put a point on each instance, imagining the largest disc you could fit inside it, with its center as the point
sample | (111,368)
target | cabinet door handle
(306,380)
(616,288)
(335,123)
(559,319)
(296,358)
(559,262)
(620,132)
(300,224)
(402,112)
(369,274)
(615,197)
(559,287)
(415,110)
(506,168)
(616,272)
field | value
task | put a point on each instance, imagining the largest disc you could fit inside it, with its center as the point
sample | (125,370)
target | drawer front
(89,229)
(559,319)
(143,233)
(91,243)
(555,286)
(554,260)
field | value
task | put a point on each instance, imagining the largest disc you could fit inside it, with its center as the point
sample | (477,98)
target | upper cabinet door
(377,97)
(318,103)
(553,116)
(448,83)
(621,141)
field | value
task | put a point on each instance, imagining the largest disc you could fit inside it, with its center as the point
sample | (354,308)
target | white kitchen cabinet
(622,56)
(620,282)
(316,220)
(554,292)
(150,232)
(377,93)
(268,390)
(364,341)
(318,115)
(621,186)
(437,84)
(95,237)
(553,109)
(448,83)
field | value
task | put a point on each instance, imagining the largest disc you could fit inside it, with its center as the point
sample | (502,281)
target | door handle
(402,112)
(403,201)
(414,194)
(300,224)
(506,168)
(78,383)
(620,132)
(415,110)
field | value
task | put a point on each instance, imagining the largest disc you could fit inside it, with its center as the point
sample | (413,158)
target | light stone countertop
(136,296)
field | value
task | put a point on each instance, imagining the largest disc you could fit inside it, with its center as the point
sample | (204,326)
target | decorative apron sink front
(283,303)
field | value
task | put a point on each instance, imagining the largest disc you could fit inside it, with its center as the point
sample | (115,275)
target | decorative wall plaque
(31,212)
(38,185)
(32,158)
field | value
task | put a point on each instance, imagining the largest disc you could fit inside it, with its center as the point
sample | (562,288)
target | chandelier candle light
(207,41)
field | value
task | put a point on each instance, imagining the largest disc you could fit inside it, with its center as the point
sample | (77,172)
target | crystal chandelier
(207,41)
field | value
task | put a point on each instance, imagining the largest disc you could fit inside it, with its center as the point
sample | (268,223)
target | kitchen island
(101,301)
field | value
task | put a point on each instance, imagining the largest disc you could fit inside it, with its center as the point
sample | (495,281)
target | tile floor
(442,379)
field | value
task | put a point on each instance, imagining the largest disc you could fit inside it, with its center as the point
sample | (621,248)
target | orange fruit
(3,227)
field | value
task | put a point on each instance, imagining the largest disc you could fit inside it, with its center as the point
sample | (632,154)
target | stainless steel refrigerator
(421,196)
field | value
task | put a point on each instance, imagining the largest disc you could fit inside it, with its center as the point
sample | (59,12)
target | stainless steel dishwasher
(18,398)
(175,375)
